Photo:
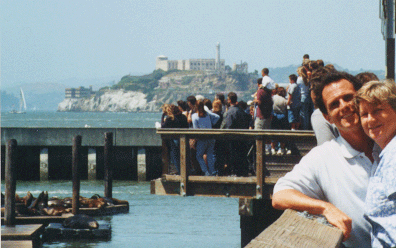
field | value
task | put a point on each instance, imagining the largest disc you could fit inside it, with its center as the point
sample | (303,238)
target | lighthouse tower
(217,61)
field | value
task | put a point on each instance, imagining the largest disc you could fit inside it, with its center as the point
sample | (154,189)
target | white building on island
(214,65)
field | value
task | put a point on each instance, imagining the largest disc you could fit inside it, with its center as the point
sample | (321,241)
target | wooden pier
(293,230)
(28,233)
(254,192)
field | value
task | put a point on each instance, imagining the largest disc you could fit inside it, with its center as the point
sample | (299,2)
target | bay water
(152,221)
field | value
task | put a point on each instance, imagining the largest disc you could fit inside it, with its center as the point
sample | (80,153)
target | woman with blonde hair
(174,119)
(376,102)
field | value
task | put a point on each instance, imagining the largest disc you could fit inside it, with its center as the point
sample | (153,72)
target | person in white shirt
(332,179)
(267,81)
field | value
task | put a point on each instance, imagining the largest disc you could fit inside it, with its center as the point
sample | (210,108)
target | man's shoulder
(267,78)
(328,148)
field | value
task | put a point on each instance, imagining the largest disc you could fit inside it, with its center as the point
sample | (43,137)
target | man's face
(338,99)
(378,122)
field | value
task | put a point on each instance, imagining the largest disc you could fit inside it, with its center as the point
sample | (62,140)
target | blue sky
(47,40)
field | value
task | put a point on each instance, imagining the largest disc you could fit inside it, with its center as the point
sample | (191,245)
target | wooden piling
(76,159)
(108,165)
(184,164)
(10,180)
(261,191)
(165,158)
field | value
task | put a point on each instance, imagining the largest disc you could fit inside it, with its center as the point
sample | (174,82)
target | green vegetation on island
(170,86)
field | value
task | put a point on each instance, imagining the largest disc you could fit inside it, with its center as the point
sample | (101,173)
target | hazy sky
(46,41)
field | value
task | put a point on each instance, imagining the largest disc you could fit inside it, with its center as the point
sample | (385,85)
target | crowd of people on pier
(353,118)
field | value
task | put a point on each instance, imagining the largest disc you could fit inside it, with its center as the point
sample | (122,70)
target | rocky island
(147,93)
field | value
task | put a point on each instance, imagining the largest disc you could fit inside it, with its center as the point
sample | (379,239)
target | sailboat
(22,104)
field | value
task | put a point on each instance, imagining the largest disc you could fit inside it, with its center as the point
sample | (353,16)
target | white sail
(22,102)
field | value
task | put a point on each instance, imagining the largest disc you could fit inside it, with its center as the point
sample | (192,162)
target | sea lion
(119,202)
(33,209)
(55,201)
(55,210)
(81,221)
(111,201)
(68,201)
(26,200)
(43,203)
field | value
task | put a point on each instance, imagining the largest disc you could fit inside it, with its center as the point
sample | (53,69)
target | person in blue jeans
(376,102)
(306,106)
(204,119)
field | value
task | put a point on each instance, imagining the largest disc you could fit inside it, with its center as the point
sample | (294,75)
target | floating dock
(55,231)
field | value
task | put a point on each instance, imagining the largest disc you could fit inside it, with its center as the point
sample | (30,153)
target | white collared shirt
(268,83)
(336,173)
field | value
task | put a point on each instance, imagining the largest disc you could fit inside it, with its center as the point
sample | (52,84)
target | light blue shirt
(204,122)
(380,209)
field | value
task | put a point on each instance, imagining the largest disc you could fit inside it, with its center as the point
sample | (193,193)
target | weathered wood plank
(293,230)
(219,179)
(260,167)
(38,219)
(165,157)
(17,244)
(10,182)
(76,161)
(108,210)
(240,134)
(21,232)
(203,186)
(184,162)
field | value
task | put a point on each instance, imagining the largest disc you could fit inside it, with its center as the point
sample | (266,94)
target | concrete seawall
(45,153)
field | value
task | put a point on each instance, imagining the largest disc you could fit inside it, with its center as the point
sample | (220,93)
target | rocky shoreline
(110,101)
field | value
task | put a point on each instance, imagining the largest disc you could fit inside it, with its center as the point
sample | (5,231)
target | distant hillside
(8,101)
(174,85)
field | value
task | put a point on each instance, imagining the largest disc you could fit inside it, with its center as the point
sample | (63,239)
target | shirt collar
(348,152)
(346,149)
(389,147)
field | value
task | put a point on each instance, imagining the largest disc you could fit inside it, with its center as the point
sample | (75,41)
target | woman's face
(378,122)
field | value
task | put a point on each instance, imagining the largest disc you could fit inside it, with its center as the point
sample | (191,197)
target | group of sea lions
(54,206)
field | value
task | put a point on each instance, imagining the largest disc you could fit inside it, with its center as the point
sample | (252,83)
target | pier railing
(258,187)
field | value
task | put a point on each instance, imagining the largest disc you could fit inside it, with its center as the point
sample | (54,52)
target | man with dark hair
(365,77)
(236,118)
(267,81)
(191,101)
(305,59)
(320,63)
(294,102)
(330,78)
(264,106)
(332,179)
